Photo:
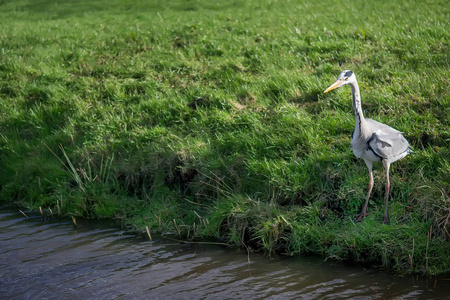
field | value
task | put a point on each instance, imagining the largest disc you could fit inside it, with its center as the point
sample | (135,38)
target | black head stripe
(348,73)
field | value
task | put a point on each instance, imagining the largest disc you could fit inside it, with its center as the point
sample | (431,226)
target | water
(53,260)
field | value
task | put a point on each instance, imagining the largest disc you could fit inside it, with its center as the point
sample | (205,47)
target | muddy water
(53,260)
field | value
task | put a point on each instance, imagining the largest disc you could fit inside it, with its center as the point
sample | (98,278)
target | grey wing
(388,146)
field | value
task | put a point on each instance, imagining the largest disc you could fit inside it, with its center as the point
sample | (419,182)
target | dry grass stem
(148,233)
(23,214)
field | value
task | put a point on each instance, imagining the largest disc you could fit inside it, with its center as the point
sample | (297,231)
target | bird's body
(371,140)
(381,142)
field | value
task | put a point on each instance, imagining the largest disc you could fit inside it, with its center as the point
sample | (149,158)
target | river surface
(52,259)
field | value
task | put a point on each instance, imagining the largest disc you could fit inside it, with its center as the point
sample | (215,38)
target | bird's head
(344,78)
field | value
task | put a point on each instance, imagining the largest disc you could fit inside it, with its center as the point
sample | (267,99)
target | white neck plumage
(359,116)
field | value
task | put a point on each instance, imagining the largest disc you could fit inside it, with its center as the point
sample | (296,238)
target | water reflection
(53,260)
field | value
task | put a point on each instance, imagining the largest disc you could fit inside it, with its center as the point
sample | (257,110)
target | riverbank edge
(403,248)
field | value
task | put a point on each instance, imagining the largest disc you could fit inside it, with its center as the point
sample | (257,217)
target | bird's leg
(386,217)
(364,213)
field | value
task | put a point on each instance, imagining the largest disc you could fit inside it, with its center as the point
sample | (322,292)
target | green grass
(212,114)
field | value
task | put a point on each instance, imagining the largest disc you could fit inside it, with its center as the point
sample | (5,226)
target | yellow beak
(334,85)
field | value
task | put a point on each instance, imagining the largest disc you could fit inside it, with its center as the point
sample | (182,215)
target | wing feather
(388,146)
(386,141)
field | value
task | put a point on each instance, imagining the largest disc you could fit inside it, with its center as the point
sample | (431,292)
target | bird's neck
(359,116)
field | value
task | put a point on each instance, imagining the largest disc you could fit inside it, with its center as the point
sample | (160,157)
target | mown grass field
(207,119)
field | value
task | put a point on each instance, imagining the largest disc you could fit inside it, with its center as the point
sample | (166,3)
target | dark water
(53,260)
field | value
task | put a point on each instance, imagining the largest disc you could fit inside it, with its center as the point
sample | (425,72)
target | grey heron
(371,140)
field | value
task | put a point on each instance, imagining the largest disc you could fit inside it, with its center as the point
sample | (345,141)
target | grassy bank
(207,119)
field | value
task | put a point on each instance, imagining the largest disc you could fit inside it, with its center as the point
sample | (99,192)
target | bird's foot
(386,220)
(361,217)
